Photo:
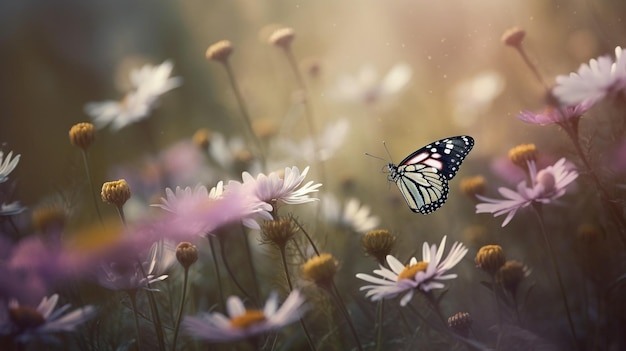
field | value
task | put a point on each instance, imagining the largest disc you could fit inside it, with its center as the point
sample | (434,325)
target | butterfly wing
(423,176)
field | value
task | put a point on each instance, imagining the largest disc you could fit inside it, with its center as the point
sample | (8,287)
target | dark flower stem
(90,184)
(245,113)
(250,261)
(216,269)
(334,292)
(304,328)
(308,111)
(132,294)
(308,237)
(230,272)
(615,212)
(158,327)
(557,270)
(181,307)
(380,323)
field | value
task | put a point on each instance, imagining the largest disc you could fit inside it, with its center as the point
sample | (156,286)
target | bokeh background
(58,55)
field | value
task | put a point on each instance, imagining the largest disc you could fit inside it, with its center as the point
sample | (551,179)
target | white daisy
(242,323)
(148,83)
(183,200)
(368,88)
(353,215)
(594,81)
(27,323)
(287,189)
(424,275)
(7,165)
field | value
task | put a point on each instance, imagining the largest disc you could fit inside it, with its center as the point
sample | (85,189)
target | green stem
(245,114)
(230,272)
(120,212)
(557,271)
(250,261)
(308,111)
(379,336)
(308,237)
(133,294)
(616,213)
(499,315)
(90,183)
(181,307)
(304,328)
(344,311)
(216,269)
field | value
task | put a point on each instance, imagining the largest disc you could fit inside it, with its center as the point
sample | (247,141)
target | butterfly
(423,176)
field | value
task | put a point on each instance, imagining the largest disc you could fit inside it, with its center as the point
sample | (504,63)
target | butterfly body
(423,176)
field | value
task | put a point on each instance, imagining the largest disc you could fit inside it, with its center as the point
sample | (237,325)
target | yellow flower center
(410,270)
(247,319)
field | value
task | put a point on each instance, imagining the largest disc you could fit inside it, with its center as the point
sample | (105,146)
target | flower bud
(82,135)
(490,258)
(186,254)
(115,192)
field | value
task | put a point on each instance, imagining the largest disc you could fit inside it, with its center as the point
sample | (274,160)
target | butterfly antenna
(377,157)
(388,153)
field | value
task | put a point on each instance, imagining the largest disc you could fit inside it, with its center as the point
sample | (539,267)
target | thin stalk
(230,272)
(532,67)
(120,212)
(250,262)
(216,269)
(308,237)
(379,334)
(308,111)
(132,295)
(304,328)
(90,183)
(334,292)
(557,271)
(499,315)
(615,212)
(244,113)
(158,327)
(181,307)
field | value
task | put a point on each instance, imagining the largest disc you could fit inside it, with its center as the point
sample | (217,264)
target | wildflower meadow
(313,175)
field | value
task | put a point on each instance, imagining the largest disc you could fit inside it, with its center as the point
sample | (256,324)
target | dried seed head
(282,37)
(490,258)
(82,135)
(521,154)
(115,192)
(278,231)
(202,138)
(220,51)
(511,274)
(321,270)
(378,244)
(186,254)
(472,186)
(460,323)
(513,37)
